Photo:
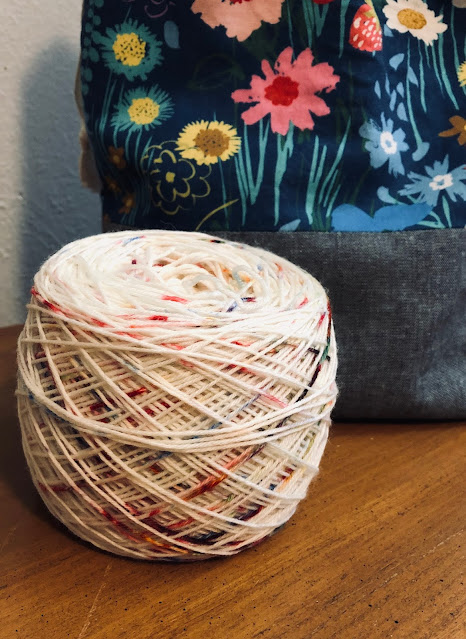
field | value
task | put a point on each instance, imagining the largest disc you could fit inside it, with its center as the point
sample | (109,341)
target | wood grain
(376,550)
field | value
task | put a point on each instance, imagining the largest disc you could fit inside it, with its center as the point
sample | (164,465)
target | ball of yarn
(174,391)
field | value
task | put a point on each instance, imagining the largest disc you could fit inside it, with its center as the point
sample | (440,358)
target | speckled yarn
(174,391)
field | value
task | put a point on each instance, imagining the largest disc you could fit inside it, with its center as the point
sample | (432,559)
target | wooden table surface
(375,551)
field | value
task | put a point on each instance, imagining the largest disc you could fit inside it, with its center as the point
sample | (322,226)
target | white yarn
(174,391)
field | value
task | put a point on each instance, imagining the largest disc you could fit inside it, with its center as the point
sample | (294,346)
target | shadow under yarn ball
(174,391)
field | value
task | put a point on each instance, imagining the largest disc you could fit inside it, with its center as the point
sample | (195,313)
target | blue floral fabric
(278,115)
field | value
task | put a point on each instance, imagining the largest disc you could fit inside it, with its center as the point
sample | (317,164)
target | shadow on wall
(56,207)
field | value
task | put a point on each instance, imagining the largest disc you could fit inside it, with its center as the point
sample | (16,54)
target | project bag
(330,132)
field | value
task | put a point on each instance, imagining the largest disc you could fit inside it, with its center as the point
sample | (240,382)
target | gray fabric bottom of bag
(398,302)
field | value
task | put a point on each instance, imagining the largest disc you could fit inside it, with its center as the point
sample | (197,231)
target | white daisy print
(416,17)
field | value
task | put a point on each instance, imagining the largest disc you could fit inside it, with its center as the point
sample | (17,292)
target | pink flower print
(288,92)
(240,17)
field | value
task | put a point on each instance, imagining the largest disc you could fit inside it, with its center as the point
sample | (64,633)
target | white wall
(42,202)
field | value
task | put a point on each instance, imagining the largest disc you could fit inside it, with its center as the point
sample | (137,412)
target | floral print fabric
(277,115)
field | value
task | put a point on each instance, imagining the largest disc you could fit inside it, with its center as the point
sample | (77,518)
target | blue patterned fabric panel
(278,115)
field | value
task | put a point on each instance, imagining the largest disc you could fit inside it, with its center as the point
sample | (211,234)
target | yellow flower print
(462,74)
(130,49)
(176,183)
(142,109)
(208,142)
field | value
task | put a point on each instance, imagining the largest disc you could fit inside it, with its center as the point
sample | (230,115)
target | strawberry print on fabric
(365,32)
